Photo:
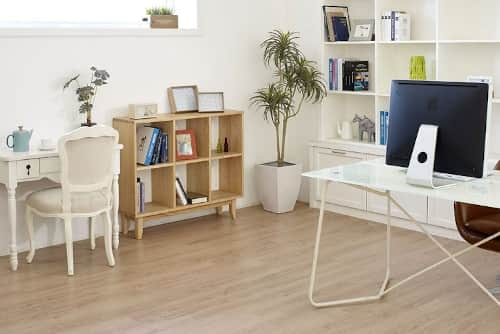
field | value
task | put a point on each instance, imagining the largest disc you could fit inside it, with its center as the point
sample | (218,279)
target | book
(382,127)
(181,193)
(146,140)
(330,73)
(386,116)
(164,148)
(355,75)
(195,198)
(340,28)
(156,151)
(402,26)
(140,193)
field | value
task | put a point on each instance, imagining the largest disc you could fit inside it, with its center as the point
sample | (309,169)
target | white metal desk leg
(92,222)
(11,200)
(116,201)
(365,299)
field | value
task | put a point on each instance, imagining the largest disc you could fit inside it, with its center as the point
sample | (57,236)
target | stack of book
(152,146)
(384,127)
(140,191)
(350,75)
(185,197)
(395,26)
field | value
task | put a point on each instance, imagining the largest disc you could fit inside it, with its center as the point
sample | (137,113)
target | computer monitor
(459,109)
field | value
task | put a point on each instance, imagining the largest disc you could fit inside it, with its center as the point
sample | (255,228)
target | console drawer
(27,169)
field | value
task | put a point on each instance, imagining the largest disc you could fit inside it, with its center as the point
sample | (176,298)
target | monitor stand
(421,169)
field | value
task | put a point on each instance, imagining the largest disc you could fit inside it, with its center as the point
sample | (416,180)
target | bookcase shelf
(451,51)
(196,175)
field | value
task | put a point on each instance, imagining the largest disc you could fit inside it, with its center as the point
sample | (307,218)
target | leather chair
(476,222)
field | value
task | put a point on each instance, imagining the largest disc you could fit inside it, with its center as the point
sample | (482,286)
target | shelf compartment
(224,155)
(169,129)
(394,63)
(231,127)
(230,177)
(481,17)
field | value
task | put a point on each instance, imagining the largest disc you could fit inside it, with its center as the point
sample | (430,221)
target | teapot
(345,130)
(20,140)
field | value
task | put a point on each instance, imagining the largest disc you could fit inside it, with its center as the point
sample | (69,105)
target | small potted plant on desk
(87,93)
(297,81)
(163,18)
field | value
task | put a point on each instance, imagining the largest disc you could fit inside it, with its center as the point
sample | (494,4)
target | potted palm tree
(297,81)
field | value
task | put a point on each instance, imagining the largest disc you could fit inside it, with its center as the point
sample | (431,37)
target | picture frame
(185,145)
(183,99)
(362,30)
(328,13)
(210,102)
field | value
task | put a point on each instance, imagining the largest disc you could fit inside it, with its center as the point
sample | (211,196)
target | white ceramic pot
(278,187)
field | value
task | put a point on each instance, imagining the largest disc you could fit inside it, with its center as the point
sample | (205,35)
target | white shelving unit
(452,51)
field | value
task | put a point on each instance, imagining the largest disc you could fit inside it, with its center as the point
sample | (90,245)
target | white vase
(278,187)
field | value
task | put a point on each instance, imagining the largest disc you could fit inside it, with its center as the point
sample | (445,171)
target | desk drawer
(27,169)
(49,165)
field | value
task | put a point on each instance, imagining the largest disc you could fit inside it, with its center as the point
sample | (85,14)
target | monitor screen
(459,109)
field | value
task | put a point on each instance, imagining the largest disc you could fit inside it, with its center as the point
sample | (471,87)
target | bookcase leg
(139,225)
(232,209)
(218,210)
(125,226)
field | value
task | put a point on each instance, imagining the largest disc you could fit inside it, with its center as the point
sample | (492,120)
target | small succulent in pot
(87,93)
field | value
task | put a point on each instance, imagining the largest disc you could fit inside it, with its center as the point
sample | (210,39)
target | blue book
(152,143)
(382,128)
(163,148)
(340,28)
(386,113)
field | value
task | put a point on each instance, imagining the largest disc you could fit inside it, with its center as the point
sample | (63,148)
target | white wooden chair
(86,156)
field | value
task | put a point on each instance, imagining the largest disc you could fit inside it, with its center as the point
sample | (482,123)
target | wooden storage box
(164,21)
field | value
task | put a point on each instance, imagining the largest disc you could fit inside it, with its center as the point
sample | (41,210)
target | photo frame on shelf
(211,102)
(183,98)
(185,145)
(362,30)
(329,12)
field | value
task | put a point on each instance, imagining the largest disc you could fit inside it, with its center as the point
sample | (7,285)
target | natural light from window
(91,13)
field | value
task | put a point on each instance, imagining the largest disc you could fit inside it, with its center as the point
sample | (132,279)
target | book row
(152,146)
(395,26)
(350,75)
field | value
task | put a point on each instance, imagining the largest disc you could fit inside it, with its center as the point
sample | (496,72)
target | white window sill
(95,32)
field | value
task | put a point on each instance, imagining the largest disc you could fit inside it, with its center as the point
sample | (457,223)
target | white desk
(31,166)
(374,176)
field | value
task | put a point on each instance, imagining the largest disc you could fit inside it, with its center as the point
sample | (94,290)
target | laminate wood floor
(210,275)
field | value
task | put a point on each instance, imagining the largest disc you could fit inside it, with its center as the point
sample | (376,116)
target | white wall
(225,56)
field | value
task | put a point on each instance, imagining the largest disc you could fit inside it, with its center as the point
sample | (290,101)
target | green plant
(297,81)
(160,11)
(87,93)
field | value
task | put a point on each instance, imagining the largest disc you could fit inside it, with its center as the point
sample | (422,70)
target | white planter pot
(278,187)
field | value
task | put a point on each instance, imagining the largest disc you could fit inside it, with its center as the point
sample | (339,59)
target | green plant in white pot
(298,81)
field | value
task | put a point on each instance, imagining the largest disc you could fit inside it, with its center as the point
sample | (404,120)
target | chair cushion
(486,225)
(50,201)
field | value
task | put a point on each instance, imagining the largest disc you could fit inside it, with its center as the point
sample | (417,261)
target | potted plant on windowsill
(87,93)
(297,81)
(162,18)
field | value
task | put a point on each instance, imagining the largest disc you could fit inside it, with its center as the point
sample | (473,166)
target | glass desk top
(375,174)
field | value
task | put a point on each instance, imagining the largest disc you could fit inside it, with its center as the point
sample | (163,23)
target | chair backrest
(465,213)
(87,161)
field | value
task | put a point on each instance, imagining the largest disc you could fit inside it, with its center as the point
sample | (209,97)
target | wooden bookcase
(199,174)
